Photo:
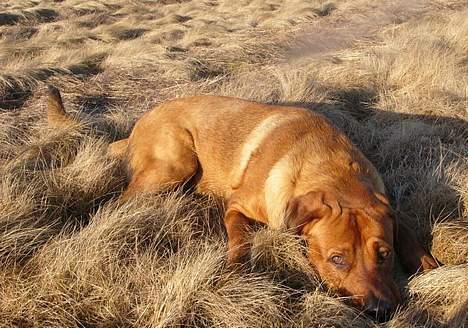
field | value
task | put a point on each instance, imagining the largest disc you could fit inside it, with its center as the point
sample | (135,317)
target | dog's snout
(379,309)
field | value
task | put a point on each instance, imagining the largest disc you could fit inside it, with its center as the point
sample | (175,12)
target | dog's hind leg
(167,160)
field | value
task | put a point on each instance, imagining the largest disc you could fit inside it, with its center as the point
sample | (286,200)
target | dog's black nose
(380,310)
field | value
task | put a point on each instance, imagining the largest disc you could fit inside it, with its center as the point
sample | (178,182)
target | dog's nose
(379,309)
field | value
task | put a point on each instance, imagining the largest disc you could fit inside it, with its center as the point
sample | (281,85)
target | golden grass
(392,75)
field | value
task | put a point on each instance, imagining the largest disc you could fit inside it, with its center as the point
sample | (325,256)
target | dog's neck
(301,172)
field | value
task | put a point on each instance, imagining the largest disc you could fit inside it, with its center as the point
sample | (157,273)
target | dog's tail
(56,114)
(58,117)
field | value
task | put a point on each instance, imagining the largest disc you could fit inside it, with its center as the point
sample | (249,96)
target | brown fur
(284,167)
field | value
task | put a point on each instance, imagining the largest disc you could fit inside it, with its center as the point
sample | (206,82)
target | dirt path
(353,23)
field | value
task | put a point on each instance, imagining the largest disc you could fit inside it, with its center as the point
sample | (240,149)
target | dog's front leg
(237,225)
(413,256)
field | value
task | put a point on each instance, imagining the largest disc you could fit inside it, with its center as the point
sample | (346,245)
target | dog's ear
(304,209)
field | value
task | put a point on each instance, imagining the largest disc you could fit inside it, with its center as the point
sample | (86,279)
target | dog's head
(351,248)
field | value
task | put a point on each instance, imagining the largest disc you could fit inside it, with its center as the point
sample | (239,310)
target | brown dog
(285,167)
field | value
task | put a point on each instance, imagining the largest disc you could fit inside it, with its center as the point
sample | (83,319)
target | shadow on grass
(46,15)
(96,104)
(14,96)
(41,15)
(9,19)
(16,91)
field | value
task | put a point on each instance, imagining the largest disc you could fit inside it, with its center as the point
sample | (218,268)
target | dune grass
(393,76)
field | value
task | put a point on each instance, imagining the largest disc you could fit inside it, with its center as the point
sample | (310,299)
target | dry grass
(392,74)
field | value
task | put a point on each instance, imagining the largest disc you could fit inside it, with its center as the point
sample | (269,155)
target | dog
(285,167)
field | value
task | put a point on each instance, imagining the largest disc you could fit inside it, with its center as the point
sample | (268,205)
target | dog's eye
(338,260)
(383,254)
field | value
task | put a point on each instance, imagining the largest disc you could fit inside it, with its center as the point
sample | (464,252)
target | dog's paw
(417,263)
(429,263)
(238,256)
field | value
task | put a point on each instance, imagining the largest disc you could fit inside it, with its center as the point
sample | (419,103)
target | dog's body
(285,167)
(255,156)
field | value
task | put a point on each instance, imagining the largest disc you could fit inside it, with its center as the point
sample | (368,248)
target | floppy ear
(303,209)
